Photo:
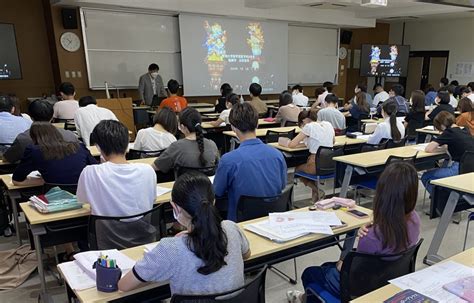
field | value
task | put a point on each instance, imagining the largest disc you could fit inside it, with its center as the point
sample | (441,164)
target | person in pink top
(66,109)
(395,227)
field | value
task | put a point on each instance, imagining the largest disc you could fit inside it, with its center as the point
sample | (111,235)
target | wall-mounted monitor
(9,61)
(384,60)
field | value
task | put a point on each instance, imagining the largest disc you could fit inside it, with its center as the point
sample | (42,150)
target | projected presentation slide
(239,52)
(384,60)
(9,62)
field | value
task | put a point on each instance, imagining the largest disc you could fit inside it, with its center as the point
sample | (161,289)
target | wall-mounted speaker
(69,18)
(346,37)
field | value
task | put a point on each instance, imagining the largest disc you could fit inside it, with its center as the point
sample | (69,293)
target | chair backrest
(140,154)
(409,159)
(362,273)
(325,165)
(392,144)
(368,128)
(250,208)
(106,232)
(71,188)
(372,147)
(359,121)
(272,136)
(466,165)
(208,171)
(251,292)
(290,123)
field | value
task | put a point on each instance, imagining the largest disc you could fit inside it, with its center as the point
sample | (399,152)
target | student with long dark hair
(57,160)
(452,139)
(391,128)
(416,116)
(395,227)
(193,151)
(206,258)
(226,90)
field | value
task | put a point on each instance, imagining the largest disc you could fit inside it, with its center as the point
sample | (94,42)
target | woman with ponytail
(391,128)
(207,258)
(194,151)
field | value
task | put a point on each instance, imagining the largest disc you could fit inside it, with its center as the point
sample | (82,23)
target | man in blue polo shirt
(254,169)
(10,125)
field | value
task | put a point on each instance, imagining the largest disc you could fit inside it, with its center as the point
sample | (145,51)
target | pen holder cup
(107,278)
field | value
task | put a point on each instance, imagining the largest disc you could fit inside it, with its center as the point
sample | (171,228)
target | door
(437,70)
(425,67)
(414,76)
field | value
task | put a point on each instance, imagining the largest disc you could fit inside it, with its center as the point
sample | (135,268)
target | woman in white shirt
(314,134)
(231,99)
(161,135)
(391,128)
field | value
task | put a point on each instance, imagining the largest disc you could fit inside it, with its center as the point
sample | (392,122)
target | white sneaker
(294,296)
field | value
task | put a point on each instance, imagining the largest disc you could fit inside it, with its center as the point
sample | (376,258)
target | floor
(276,287)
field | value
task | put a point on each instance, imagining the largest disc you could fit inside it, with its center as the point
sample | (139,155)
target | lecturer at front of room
(150,86)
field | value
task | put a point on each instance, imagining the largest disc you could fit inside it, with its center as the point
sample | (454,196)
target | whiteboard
(313,55)
(120,45)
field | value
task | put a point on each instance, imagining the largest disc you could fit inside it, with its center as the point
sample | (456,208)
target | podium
(123,110)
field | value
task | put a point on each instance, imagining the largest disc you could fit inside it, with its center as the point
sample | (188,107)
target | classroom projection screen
(9,61)
(215,50)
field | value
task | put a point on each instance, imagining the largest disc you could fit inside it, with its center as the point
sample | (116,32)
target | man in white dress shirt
(299,99)
(88,116)
(380,95)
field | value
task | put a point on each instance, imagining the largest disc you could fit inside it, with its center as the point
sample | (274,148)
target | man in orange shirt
(175,102)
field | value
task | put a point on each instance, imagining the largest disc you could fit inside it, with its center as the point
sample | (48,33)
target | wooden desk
(378,158)
(428,130)
(261,122)
(383,293)
(95,152)
(340,140)
(271,102)
(372,120)
(263,252)
(59,125)
(460,186)
(197,105)
(262,132)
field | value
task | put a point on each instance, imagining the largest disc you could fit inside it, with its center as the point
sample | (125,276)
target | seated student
(430,95)
(255,90)
(10,125)
(40,111)
(416,117)
(452,100)
(17,108)
(442,104)
(88,116)
(332,114)
(314,134)
(396,95)
(380,95)
(207,258)
(395,228)
(175,102)
(117,188)
(194,151)
(362,88)
(443,82)
(358,109)
(298,98)
(226,90)
(466,92)
(57,160)
(66,109)
(288,111)
(391,128)
(471,86)
(466,118)
(321,98)
(224,116)
(254,169)
(452,139)
(160,135)
(320,94)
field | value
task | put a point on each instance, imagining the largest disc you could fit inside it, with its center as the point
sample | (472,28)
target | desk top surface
(383,293)
(379,157)
(261,122)
(201,105)
(35,217)
(428,130)
(261,132)
(372,120)
(340,140)
(463,183)
(259,247)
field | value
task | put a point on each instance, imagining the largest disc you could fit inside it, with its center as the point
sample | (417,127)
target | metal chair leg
(465,235)
(284,275)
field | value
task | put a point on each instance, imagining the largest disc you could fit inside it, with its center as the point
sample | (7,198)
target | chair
(325,165)
(392,143)
(107,232)
(249,208)
(290,123)
(368,128)
(70,125)
(140,154)
(366,147)
(466,164)
(273,136)
(359,121)
(362,273)
(251,292)
(469,219)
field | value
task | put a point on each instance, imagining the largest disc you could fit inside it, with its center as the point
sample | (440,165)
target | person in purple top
(395,227)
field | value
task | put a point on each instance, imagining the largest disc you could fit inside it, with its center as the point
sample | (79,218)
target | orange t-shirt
(467,120)
(176,103)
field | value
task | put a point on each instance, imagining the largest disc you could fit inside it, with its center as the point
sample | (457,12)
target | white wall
(453,35)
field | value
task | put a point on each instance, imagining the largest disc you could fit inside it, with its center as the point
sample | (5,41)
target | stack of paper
(282,227)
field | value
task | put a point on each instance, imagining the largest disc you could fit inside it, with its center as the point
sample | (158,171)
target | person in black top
(454,140)
(416,116)
(442,102)
(57,160)
(226,90)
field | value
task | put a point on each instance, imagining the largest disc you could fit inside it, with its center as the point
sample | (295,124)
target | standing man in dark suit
(150,86)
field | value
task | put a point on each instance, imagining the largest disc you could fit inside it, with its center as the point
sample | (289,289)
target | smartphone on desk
(357,213)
